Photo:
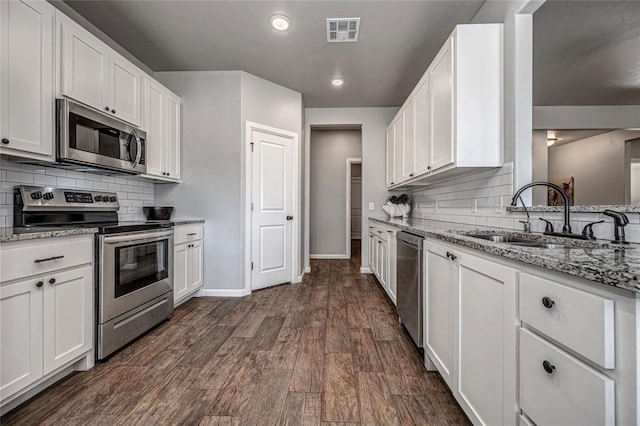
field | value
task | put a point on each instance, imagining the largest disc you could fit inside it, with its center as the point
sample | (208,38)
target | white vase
(397,210)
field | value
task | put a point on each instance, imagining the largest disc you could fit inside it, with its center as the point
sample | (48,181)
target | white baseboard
(307,270)
(328,256)
(215,292)
(298,279)
(365,270)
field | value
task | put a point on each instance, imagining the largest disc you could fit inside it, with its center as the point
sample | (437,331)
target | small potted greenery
(398,205)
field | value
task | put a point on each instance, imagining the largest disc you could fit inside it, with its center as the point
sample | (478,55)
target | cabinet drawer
(42,256)
(186,233)
(379,232)
(581,321)
(571,394)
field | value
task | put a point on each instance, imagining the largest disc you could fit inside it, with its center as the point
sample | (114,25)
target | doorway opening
(331,192)
(354,209)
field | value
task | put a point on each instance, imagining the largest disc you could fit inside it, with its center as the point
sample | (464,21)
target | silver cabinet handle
(47,259)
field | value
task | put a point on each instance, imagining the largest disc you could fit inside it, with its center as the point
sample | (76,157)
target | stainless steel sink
(516,241)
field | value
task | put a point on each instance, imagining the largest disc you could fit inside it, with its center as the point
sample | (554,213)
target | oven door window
(140,265)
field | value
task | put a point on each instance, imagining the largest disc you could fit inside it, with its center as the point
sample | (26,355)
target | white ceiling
(398,40)
(587,53)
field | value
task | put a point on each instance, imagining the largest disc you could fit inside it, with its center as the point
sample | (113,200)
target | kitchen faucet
(566,228)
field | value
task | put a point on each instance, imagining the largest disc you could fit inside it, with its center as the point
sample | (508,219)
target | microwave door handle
(139,150)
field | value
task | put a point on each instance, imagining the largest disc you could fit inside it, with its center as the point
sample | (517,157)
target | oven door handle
(140,238)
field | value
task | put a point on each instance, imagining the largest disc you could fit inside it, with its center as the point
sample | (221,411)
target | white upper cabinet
(172,139)
(408,166)
(390,155)
(162,124)
(124,89)
(440,105)
(421,132)
(398,153)
(95,75)
(153,124)
(85,67)
(27,79)
(456,124)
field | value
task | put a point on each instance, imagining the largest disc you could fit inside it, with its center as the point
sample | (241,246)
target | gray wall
(273,105)
(374,122)
(215,105)
(328,192)
(539,170)
(597,165)
(211,173)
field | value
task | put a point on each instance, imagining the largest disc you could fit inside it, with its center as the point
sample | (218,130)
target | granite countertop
(604,263)
(21,234)
(177,222)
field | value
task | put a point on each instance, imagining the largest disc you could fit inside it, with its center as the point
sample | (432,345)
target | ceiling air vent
(343,30)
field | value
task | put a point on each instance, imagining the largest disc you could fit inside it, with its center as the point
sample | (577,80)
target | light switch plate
(372,206)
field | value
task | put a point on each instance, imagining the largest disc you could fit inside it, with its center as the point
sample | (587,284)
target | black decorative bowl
(158,213)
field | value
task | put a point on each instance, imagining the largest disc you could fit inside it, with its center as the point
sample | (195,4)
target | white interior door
(272,202)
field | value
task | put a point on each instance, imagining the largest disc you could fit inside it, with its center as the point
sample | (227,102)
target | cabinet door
(391,277)
(381,262)
(68,316)
(390,155)
(372,250)
(486,344)
(439,300)
(180,271)
(441,151)
(172,138)
(85,67)
(26,76)
(408,166)
(421,126)
(124,89)
(20,334)
(398,141)
(195,265)
(154,124)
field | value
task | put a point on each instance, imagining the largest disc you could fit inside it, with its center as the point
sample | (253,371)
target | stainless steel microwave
(90,139)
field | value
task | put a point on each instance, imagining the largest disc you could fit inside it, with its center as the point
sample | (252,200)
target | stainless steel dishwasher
(409,279)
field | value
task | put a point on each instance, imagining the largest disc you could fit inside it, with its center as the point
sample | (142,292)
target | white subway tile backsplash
(455,199)
(44,180)
(132,191)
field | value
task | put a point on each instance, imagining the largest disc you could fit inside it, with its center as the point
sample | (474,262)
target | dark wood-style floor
(326,351)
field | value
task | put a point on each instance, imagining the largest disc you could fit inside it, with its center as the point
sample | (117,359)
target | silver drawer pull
(192,234)
(47,259)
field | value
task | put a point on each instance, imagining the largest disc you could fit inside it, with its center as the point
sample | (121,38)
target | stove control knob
(105,199)
(97,198)
(36,195)
(48,196)
(113,199)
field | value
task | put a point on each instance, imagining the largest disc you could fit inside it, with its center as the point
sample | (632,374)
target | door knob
(289,217)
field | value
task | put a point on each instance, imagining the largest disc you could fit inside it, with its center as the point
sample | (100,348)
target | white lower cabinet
(439,305)
(46,320)
(21,335)
(485,341)
(382,257)
(188,262)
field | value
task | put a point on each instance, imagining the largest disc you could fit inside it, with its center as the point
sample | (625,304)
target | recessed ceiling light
(337,81)
(280,22)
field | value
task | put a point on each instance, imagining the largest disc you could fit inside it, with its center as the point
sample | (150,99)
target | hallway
(327,350)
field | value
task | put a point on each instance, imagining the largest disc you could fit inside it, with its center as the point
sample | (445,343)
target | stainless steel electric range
(134,260)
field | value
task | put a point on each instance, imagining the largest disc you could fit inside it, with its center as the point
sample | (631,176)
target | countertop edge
(599,274)
(49,233)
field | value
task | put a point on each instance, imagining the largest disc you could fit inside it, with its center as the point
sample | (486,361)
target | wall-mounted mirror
(586,76)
